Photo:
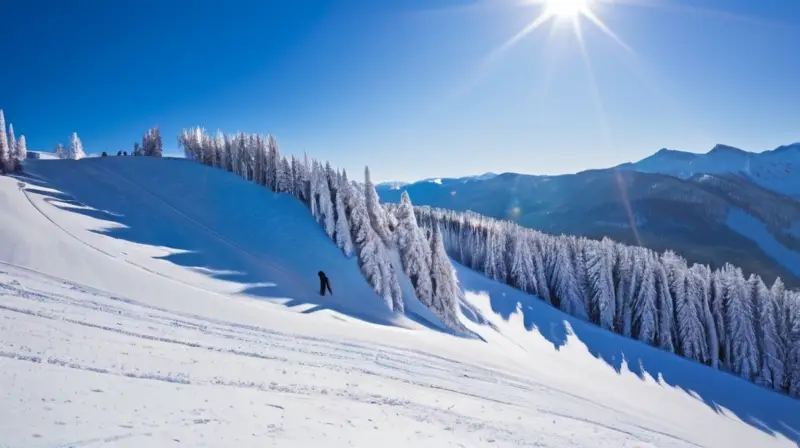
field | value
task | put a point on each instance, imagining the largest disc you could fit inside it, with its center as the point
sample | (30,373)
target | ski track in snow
(82,315)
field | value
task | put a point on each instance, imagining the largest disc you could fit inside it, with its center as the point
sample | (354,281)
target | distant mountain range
(777,170)
(727,205)
(396,184)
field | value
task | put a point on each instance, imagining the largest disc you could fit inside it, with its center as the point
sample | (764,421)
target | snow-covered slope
(777,170)
(144,303)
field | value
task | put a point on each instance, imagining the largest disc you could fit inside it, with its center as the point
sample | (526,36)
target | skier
(324,283)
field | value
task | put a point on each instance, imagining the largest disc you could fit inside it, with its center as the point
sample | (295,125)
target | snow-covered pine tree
(343,232)
(600,280)
(665,305)
(793,364)
(272,161)
(539,266)
(523,273)
(4,148)
(59,151)
(330,177)
(719,292)
(151,143)
(740,320)
(12,148)
(222,154)
(284,176)
(371,251)
(783,325)
(703,273)
(627,283)
(300,177)
(495,265)
(75,151)
(392,283)
(444,283)
(676,269)
(645,313)
(692,342)
(563,284)
(21,153)
(415,252)
(374,210)
(324,202)
(770,364)
(256,153)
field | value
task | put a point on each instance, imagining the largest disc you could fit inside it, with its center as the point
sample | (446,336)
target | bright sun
(567,9)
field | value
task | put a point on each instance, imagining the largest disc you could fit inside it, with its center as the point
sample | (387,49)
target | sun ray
(604,28)
(671,7)
(531,27)
(620,184)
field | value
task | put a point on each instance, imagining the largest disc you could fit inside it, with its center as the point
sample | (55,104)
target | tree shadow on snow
(137,218)
(769,411)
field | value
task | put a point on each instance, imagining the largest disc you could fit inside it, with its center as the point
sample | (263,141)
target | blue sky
(408,87)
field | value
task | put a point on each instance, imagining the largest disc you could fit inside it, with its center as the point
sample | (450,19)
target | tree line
(386,245)
(719,318)
(12,151)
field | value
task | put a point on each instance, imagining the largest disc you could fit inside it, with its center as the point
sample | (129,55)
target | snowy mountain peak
(773,170)
(725,149)
(673,153)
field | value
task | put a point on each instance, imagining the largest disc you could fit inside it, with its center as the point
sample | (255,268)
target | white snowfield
(154,303)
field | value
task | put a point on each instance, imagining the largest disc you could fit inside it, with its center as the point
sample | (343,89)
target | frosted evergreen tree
(783,326)
(581,276)
(75,150)
(392,283)
(285,176)
(692,342)
(370,251)
(719,292)
(332,179)
(644,306)
(627,282)
(539,266)
(59,151)
(522,269)
(343,236)
(224,157)
(600,280)
(703,274)
(374,258)
(272,161)
(667,332)
(495,264)
(21,153)
(770,364)
(445,286)
(326,205)
(349,193)
(415,253)
(793,364)
(740,320)
(4,147)
(151,143)
(676,269)
(374,209)
(325,213)
(300,175)
(12,149)
(563,283)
